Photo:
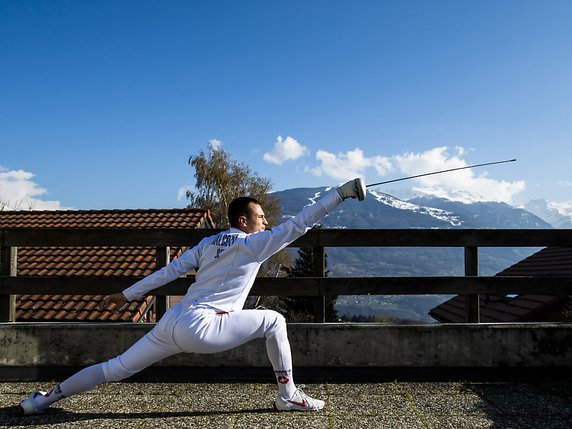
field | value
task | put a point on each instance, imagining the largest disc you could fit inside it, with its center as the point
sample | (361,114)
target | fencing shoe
(299,402)
(30,406)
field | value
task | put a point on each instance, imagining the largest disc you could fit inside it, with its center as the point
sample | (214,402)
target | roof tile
(101,261)
(548,262)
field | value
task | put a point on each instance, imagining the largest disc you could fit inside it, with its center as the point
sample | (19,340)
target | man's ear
(243,220)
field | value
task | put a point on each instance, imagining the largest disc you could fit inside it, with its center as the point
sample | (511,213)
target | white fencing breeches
(195,331)
(201,330)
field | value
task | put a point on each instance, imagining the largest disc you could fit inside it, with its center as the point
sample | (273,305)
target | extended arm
(182,265)
(267,243)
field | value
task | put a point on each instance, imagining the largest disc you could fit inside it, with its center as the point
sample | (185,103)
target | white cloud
(182,192)
(434,159)
(469,185)
(19,192)
(563,208)
(465,185)
(285,150)
(215,144)
(350,164)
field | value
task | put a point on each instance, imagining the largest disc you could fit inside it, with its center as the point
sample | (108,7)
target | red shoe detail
(300,404)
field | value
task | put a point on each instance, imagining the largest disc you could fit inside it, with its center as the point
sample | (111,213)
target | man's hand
(117,298)
(353,189)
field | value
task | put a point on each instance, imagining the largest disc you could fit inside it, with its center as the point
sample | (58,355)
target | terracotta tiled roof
(77,308)
(548,262)
(148,218)
(101,261)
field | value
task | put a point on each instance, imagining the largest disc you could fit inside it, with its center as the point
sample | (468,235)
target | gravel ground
(454,405)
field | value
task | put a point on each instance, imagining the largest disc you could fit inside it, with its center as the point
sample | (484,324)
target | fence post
(162,259)
(319,268)
(8,267)
(472,304)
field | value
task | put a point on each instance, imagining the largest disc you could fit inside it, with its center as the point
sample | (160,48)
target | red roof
(101,261)
(548,262)
(139,218)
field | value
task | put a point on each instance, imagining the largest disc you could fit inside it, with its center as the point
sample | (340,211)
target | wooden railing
(317,287)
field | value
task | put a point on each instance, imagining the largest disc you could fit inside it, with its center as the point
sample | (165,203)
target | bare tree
(220,179)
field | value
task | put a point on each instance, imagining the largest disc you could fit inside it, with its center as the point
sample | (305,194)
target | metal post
(8,267)
(472,307)
(162,259)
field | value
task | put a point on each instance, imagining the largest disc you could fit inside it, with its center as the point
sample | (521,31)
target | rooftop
(548,262)
(135,218)
(97,261)
(400,405)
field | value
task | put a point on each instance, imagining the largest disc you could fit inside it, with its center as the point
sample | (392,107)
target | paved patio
(235,405)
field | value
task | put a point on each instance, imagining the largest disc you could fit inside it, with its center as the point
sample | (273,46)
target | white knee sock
(278,349)
(81,381)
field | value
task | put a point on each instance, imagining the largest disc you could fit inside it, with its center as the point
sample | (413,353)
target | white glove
(353,189)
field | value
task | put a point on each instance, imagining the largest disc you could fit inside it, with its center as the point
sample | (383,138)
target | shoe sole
(22,412)
(299,410)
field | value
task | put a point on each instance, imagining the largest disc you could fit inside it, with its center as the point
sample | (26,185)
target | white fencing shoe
(299,402)
(29,406)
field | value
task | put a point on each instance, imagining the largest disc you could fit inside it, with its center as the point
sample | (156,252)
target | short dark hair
(240,207)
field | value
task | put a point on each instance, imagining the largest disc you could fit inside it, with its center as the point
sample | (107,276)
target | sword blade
(440,172)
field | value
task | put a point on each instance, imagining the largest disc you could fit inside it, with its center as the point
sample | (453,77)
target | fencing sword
(440,172)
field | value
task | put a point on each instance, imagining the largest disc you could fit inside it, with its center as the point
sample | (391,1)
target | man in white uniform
(210,318)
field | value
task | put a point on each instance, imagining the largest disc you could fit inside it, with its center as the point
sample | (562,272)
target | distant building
(548,262)
(100,261)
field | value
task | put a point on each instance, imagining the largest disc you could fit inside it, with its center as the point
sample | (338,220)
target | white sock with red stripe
(278,349)
(286,386)
(81,381)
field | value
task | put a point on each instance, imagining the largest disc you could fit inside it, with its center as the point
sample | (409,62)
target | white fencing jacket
(228,262)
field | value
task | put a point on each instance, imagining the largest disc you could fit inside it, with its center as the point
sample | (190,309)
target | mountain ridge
(381,211)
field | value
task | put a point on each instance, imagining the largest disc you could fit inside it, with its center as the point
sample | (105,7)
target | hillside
(380,211)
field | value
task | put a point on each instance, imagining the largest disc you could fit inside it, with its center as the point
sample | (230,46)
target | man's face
(255,221)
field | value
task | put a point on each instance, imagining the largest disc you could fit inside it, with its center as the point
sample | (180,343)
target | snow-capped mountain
(377,211)
(558,215)
(380,210)
(486,214)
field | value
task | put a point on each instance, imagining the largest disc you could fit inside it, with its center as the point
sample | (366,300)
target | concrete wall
(313,345)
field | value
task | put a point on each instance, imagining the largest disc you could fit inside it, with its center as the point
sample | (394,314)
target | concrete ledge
(313,345)
(333,375)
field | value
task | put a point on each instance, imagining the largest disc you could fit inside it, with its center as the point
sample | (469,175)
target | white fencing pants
(197,330)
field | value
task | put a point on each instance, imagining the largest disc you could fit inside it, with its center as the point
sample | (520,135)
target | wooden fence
(317,287)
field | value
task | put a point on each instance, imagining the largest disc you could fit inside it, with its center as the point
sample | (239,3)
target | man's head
(246,214)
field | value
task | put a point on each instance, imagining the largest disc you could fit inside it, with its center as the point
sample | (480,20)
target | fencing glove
(353,189)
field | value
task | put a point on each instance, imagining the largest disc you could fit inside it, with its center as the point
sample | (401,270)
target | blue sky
(102,102)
